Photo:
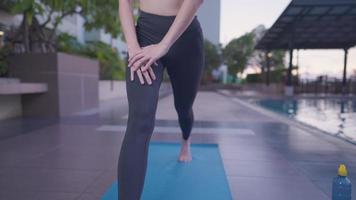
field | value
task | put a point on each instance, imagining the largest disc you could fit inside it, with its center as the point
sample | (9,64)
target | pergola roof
(313,24)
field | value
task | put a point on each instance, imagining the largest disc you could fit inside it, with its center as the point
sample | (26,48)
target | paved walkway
(264,155)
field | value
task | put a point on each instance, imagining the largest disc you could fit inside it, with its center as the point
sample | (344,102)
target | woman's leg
(185,79)
(132,163)
(184,66)
(185,63)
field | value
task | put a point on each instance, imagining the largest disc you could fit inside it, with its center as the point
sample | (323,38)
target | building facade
(209,17)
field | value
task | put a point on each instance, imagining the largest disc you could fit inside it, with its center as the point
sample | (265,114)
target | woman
(167,35)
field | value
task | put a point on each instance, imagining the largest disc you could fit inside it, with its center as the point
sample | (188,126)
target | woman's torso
(161,7)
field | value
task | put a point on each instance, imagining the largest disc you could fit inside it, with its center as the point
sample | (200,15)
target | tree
(41,19)
(277,59)
(212,59)
(237,53)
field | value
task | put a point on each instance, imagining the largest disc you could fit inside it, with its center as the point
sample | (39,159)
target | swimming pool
(336,116)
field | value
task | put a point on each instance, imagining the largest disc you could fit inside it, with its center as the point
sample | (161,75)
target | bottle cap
(342,170)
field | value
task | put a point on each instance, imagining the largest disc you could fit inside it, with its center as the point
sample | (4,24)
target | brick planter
(72,83)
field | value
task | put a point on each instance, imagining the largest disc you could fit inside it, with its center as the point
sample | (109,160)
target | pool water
(335,116)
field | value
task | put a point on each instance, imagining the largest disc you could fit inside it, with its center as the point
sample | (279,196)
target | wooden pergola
(312,24)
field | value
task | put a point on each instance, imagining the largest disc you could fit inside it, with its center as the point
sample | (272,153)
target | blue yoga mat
(203,178)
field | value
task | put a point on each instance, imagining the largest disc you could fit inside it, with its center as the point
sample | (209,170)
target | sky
(241,16)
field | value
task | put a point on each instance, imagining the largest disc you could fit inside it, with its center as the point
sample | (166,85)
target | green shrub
(254,78)
(69,44)
(4,68)
(111,65)
(276,76)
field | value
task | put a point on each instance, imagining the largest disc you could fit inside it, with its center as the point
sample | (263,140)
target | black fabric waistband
(147,14)
(154,27)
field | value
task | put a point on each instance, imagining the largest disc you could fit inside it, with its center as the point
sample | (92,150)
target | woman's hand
(148,74)
(148,56)
(132,51)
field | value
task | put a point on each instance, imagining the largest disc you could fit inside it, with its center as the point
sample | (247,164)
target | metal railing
(334,86)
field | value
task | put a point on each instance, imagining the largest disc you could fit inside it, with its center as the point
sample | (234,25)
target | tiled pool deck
(265,156)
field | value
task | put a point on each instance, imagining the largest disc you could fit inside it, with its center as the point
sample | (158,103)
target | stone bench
(11,93)
(15,87)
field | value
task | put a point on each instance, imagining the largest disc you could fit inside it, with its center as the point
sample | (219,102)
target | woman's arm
(133,47)
(127,24)
(151,53)
(184,17)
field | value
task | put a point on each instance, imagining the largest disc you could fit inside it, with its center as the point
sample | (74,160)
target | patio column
(290,68)
(289,90)
(344,77)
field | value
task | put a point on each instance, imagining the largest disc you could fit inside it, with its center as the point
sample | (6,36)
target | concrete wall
(78,82)
(111,89)
(72,83)
(10,106)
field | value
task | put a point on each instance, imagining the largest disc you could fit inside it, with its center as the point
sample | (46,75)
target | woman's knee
(142,118)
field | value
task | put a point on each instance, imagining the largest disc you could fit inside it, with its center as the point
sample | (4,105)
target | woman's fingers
(151,72)
(147,65)
(133,55)
(139,63)
(138,53)
(135,58)
(136,62)
(147,76)
(132,74)
(140,77)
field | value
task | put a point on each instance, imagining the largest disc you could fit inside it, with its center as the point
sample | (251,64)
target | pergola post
(344,77)
(289,90)
(290,67)
(268,66)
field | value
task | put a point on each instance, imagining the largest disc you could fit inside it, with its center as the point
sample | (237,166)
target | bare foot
(185,154)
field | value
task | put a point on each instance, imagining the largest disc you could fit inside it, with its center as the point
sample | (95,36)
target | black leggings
(184,62)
